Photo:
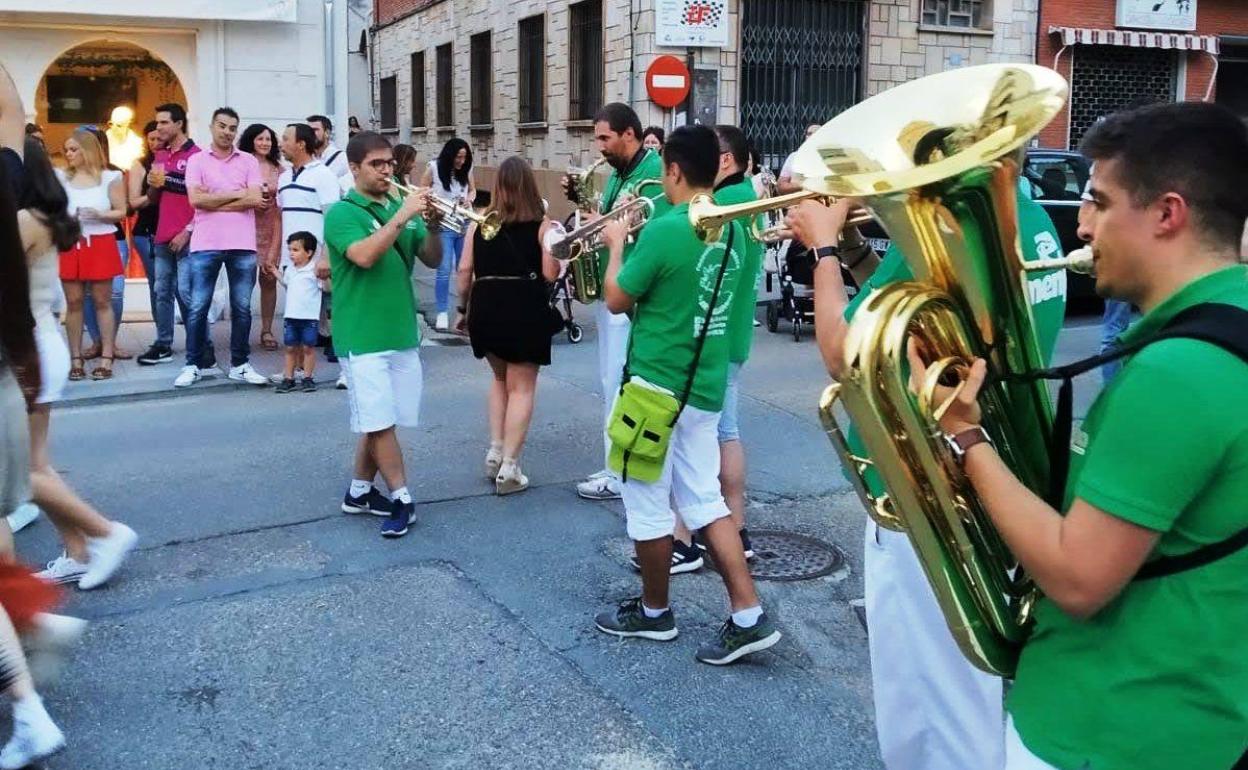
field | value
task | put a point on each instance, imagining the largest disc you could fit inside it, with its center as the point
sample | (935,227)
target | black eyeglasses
(383,163)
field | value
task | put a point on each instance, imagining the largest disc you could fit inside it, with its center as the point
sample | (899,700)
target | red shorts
(94,258)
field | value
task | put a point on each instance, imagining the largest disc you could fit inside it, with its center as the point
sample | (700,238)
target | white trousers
(1017,757)
(933,709)
(613,329)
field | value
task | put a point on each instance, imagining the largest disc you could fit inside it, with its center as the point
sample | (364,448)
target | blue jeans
(1115,321)
(167,269)
(240,272)
(452,245)
(143,244)
(119,296)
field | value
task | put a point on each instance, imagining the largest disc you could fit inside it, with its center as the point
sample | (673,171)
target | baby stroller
(561,288)
(794,267)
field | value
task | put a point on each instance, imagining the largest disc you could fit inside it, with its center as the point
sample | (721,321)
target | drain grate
(785,556)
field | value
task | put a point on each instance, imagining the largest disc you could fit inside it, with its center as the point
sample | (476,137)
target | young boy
(303,310)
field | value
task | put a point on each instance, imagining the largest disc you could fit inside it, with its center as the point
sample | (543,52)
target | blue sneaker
(372,501)
(397,522)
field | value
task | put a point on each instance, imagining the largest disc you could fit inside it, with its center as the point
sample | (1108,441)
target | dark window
(482,78)
(532,48)
(585,65)
(418,89)
(1054,178)
(389,103)
(446,114)
(958,13)
(82,99)
(1108,78)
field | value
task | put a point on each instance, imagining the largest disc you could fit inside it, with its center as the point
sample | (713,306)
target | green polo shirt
(671,275)
(1047,291)
(374,308)
(1158,679)
(745,292)
(617,186)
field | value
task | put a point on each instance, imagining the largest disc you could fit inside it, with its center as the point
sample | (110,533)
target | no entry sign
(667,81)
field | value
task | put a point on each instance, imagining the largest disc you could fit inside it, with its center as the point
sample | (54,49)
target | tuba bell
(936,161)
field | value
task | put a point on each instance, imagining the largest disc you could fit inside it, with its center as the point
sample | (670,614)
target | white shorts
(53,361)
(690,482)
(383,389)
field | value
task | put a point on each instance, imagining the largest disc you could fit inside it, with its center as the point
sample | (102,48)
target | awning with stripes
(1135,39)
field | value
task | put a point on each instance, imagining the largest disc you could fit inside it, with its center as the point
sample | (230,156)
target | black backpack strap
(1216,323)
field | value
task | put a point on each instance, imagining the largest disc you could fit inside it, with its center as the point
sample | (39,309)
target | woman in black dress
(504,283)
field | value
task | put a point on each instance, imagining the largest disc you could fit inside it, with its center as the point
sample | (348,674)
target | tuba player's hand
(960,402)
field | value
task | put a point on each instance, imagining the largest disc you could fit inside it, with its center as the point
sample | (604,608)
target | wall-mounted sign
(691,23)
(228,10)
(667,81)
(1157,14)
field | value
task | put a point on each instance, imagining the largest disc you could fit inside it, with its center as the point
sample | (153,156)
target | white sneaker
(187,377)
(23,516)
(276,378)
(601,488)
(493,461)
(48,644)
(35,736)
(602,474)
(105,555)
(210,371)
(63,570)
(341,383)
(442,322)
(245,373)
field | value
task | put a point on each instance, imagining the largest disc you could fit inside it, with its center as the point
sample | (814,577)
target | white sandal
(493,461)
(510,480)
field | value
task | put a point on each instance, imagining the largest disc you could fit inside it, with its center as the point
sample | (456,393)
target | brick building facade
(1112,67)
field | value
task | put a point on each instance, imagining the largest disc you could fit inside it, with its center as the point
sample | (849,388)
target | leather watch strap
(970,437)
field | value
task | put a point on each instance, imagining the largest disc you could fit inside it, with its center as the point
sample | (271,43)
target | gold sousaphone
(936,161)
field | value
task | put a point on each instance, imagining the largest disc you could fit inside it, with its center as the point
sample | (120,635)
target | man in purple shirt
(224,188)
(167,191)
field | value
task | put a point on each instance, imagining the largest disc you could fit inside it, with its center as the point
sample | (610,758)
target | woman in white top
(97,197)
(94,545)
(450,177)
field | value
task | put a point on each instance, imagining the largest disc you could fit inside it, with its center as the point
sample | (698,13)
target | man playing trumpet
(373,240)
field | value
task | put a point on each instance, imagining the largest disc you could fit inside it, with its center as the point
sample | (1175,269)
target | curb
(156,394)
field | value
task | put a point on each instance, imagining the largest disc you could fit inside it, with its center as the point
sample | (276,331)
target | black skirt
(508,319)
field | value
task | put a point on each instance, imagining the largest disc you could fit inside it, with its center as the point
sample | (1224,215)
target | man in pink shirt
(224,188)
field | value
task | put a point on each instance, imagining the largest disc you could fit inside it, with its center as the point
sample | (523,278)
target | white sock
(29,707)
(360,487)
(652,613)
(401,494)
(747,618)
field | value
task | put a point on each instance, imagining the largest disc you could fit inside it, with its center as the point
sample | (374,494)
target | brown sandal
(102,372)
(76,371)
(268,341)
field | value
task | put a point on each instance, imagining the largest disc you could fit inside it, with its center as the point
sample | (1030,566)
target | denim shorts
(729,430)
(301,331)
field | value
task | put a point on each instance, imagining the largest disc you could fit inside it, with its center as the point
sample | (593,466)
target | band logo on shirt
(708,273)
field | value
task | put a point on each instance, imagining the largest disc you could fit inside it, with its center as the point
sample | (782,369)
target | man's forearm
(216,201)
(366,252)
(830,323)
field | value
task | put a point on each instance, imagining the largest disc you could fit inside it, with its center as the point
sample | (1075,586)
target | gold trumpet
(708,218)
(453,216)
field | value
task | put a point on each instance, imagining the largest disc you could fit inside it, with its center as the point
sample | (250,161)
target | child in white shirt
(303,309)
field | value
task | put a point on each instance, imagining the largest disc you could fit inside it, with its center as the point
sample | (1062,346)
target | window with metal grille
(446,113)
(585,60)
(389,103)
(532,48)
(482,78)
(1109,78)
(418,89)
(958,13)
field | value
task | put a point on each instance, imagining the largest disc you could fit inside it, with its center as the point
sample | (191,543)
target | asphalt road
(258,627)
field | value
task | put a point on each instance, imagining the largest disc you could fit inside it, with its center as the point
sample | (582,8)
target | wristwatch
(822,252)
(960,443)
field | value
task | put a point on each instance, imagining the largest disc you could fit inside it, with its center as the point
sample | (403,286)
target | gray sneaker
(629,620)
(733,643)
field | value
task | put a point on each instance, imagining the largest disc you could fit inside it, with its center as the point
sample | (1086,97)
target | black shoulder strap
(1214,322)
(332,158)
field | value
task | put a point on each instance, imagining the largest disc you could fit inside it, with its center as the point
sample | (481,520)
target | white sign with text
(1179,15)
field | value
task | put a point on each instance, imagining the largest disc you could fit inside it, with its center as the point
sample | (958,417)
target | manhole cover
(780,555)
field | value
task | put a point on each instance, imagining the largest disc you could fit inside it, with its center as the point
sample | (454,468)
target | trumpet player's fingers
(815,224)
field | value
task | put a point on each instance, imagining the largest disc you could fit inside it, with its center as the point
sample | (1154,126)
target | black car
(1055,179)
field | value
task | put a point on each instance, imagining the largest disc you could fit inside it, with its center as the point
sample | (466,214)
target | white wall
(271,71)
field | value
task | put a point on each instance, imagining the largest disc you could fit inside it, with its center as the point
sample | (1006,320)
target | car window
(1054,178)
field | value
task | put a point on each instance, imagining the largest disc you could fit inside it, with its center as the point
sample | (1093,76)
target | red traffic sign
(667,81)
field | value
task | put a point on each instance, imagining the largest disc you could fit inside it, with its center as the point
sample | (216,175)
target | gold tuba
(936,161)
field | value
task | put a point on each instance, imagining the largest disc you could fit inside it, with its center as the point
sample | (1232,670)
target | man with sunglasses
(373,239)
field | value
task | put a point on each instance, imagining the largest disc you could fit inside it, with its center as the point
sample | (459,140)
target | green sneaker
(629,620)
(733,643)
